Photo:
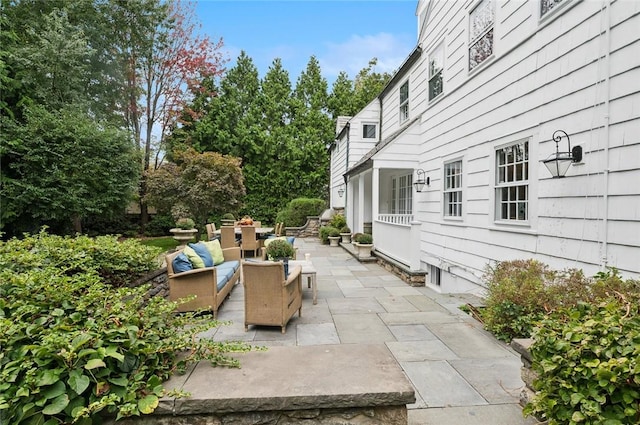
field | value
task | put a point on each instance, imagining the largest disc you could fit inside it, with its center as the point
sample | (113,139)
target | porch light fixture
(341,191)
(421,180)
(559,162)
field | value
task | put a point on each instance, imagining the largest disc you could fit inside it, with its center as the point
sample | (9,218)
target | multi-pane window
(436,63)
(401,194)
(368,131)
(404,102)
(453,189)
(480,33)
(512,182)
(547,5)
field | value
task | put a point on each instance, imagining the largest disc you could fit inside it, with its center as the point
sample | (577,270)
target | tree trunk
(77,224)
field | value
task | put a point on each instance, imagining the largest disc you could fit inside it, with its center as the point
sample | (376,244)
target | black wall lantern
(421,180)
(559,162)
(341,190)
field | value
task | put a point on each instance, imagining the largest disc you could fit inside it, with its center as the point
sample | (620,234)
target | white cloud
(356,52)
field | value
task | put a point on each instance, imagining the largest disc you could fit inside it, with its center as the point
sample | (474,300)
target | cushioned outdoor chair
(270,299)
(249,241)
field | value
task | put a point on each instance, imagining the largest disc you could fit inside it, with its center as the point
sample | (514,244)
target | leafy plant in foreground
(74,348)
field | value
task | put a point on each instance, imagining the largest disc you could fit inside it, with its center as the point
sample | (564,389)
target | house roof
(401,72)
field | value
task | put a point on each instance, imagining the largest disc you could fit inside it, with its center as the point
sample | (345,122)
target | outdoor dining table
(259,231)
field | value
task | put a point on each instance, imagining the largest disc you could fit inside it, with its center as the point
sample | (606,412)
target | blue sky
(342,34)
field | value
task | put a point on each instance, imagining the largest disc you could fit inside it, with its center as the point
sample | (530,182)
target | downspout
(607,109)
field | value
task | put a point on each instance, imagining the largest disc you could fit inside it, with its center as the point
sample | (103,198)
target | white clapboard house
(446,167)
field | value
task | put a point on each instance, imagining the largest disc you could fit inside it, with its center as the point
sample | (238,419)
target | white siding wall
(545,75)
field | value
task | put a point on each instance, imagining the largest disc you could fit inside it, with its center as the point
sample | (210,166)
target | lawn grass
(165,243)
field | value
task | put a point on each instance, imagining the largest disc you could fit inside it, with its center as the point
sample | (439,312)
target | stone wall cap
(292,378)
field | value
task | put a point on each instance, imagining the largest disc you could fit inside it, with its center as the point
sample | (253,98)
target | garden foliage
(297,211)
(74,346)
(325,231)
(588,359)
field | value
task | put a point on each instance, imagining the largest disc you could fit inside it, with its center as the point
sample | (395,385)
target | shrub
(345,229)
(363,238)
(587,361)
(116,262)
(296,213)
(75,347)
(338,221)
(280,248)
(185,223)
(228,216)
(325,231)
(159,225)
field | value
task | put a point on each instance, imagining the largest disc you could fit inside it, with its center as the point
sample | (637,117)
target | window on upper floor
(547,5)
(453,189)
(512,182)
(436,63)
(404,102)
(480,33)
(368,131)
(402,194)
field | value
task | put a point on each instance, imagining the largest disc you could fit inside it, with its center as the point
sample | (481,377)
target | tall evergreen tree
(340,100)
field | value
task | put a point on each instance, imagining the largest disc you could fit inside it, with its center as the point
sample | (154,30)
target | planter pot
(364,249)
(346,237)
(183,236)
(334,240)
(227,222)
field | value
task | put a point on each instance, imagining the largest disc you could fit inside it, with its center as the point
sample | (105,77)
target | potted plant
(363,243)
(333,235)
(228,219)
(184,231)
(345,234)
(280,250)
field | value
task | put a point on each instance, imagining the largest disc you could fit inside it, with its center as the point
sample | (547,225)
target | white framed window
(435,275)
(453,189)
(547,5)
(512,182)
(402,194)
(404,102)
(368,131)
(480,33)
(436,64)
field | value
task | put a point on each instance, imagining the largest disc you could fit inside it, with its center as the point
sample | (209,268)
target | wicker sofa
(210,285)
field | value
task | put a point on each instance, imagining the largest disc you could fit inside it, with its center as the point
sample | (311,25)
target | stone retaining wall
(521,346)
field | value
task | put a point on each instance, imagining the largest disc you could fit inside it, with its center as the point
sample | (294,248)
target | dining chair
(228,237)
(257,223)
(211,231)
(249,240)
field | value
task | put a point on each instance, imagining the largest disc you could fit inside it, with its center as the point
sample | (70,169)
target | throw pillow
(216,251)
(193,256)
(181,263)
(203,252)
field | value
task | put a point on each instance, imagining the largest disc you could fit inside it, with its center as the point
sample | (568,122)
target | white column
(361,203)
(375,197)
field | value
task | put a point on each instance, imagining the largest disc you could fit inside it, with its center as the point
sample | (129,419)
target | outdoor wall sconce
(559,162)
(341,191)
(421,180)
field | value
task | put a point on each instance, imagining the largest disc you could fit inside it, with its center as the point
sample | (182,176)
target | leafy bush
(296,213)
(159,225)
(588,363)
(338,221)
(116,262)
(363,238)
(75,347)
(345,229)
(185,224)
(280,248)
(325,231)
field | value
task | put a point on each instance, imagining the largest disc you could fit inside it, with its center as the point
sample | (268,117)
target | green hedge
(296,213)
(75,346)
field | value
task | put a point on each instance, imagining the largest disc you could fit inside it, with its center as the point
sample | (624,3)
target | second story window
(547,5)
(368,131)
(436,63)
(404,102)
(480,33)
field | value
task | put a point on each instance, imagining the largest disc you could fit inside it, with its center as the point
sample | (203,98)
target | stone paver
(460,373)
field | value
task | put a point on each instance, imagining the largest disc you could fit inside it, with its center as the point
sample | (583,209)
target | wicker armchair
(269,299)
(202,283)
